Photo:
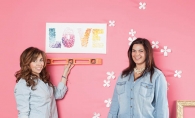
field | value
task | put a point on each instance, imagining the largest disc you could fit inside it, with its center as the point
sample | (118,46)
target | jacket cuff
(61,86)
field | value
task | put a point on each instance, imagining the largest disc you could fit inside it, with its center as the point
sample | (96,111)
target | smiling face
(139,55)
(37,65)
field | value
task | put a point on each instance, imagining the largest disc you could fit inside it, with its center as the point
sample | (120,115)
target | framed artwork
(181,104)
(76,38)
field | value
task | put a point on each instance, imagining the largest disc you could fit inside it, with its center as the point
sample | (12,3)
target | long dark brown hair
(150,64)
(29,55)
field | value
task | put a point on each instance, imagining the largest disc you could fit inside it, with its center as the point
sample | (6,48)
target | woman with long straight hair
(34,93)
(141,89)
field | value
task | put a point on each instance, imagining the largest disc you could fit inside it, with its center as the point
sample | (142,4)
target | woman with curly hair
(34,93)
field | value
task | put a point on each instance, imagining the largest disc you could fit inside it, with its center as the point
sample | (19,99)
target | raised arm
(61,89)
(66,72)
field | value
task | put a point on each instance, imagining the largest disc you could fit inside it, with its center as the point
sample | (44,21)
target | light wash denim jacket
(39,103)
(140,98)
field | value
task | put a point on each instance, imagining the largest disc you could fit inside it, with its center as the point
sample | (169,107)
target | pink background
(172,23)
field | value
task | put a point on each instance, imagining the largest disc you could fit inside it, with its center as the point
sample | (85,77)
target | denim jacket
(141,98)
(39,103)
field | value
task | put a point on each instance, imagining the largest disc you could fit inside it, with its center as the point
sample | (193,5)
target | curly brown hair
(29,55)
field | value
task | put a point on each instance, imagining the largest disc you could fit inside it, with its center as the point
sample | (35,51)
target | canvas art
(76,38)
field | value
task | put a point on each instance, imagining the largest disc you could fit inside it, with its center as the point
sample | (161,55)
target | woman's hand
(67,69)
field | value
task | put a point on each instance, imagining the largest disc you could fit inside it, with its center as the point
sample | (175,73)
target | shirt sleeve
(60,91)
(161,101)
(22,96)
(114,108)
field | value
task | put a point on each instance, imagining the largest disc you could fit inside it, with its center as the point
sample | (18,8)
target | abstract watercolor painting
(76,38)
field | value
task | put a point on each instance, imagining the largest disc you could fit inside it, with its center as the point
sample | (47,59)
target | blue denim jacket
(140,98)
(39,103)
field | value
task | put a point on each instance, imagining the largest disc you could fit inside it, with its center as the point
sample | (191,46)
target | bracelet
(64,77)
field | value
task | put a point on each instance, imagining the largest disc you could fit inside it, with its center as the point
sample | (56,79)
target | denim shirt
(141,98)
(39,103)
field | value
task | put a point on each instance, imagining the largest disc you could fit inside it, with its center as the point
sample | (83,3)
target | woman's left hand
(67,69)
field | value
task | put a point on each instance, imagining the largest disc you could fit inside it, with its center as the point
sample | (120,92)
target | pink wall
(172,23)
